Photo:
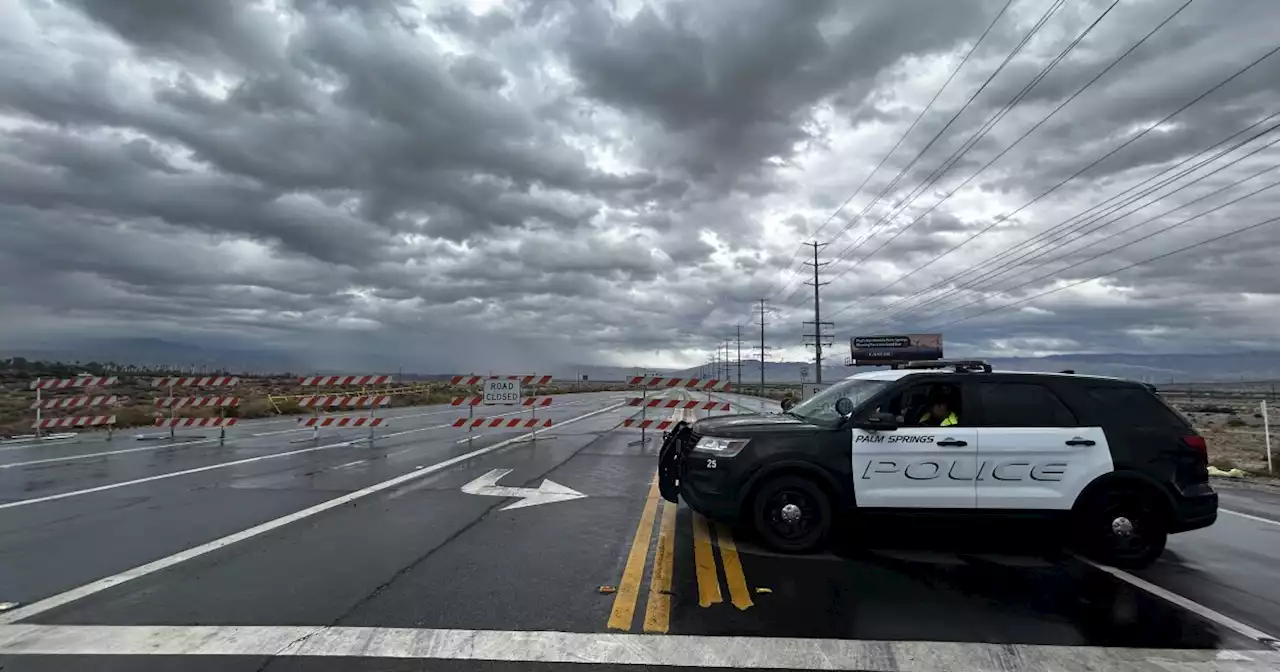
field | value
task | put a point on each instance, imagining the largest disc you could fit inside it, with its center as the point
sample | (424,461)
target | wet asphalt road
(405,563)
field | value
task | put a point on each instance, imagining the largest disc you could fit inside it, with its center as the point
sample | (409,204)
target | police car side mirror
(844,406)
(787,404)
(880,422)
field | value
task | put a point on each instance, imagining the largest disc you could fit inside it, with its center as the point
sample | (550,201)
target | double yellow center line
(657,613)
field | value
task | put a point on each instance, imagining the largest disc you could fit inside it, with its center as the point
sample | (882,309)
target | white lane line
(34,444)
(111,486)
(122,451)
(182,556)
(469,438)
(232,437)
(1190,605)
(611,648)
(210,467)
(1259,519)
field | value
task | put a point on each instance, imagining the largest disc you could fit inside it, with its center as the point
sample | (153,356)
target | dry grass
(1234,432)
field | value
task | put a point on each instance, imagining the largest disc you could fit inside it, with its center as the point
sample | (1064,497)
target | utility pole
(819,337)
(764,349)
(739,355)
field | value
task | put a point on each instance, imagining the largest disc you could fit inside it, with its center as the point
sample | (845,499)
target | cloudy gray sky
(459,185)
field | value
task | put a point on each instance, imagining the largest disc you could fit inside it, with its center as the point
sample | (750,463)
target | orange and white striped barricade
(683,411)
(344,401)
(706,385)
(84,384)
(502,391)
(173,404)
(648,383)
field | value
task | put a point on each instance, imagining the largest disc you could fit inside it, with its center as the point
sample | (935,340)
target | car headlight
(721,446)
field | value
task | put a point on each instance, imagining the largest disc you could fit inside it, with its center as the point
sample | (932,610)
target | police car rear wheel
(1124,528)
(792,514)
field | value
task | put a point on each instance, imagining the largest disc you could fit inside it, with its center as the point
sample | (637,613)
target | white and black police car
(1105,456)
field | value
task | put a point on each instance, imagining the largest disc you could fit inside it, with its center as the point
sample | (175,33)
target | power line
(1158,257)
(1125,196)
(1104,157)
(1026,38)
(892,184)
(991,123)
(1134,242)
(901,139)
(1011,264)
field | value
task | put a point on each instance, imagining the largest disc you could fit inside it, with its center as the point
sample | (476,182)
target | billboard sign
(871,350)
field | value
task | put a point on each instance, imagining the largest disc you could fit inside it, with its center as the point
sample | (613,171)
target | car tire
(791,514)
(1122,527)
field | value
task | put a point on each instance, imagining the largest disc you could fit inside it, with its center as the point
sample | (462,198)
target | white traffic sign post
(1266,431)
(548,492)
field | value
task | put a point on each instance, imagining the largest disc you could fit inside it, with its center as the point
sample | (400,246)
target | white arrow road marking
(548,492)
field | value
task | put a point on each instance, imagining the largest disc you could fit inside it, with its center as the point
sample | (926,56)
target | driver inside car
(940,413)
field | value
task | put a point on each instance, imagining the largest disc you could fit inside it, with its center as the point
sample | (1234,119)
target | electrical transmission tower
(818,336)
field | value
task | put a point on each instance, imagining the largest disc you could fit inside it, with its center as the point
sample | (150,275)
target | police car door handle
(947,442)
(1077,441)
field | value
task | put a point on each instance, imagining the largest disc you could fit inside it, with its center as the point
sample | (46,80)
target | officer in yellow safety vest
(940,413)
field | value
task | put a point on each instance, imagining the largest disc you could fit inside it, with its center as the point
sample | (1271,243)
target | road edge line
(93,587)
(1190,605)
(1250,516)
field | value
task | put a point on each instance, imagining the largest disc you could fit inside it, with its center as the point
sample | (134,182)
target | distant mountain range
(1150,368)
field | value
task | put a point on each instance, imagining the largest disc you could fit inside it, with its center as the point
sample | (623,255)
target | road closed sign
(501,391)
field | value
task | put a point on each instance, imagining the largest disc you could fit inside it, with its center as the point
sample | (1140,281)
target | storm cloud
(449,186)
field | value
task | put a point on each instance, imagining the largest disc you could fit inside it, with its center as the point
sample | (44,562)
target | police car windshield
(821,407)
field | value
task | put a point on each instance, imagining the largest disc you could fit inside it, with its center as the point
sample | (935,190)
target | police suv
(1104,455)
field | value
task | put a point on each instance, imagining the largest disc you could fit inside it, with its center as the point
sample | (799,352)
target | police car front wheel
(1122,527)
(791,514)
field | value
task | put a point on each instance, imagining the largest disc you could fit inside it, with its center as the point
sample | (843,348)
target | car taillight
(1196,441)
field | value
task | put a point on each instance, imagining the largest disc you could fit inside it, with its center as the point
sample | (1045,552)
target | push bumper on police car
(713,494)
(670,461)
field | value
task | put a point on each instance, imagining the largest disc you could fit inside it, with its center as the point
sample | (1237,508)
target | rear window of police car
(1137,406)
